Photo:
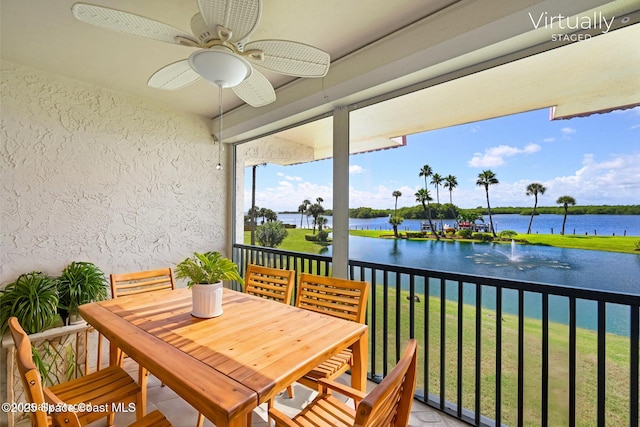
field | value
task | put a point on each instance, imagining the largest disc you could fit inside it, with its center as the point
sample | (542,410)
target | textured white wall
(87,174)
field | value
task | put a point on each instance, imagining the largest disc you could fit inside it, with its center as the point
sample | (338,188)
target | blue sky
(594,159)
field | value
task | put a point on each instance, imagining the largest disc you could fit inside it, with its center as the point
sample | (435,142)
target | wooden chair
(102,388)
(153,419)
(343,298)
(141,282)
(128,284)
(271,283)
(389,404)
(136,283)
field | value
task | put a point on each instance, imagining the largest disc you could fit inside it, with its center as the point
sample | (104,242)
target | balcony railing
(496,351)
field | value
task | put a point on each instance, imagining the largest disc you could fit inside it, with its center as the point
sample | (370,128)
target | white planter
(207,300)
(75,319)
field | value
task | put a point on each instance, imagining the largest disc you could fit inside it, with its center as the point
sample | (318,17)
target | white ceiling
(376,46)
(43,34)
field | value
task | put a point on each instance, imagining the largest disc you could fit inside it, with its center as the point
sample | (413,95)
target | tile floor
(181,414)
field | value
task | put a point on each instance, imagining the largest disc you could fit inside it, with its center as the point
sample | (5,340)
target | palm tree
(426,171)
(534,189)
(565,201)
(451,182)
(437,180)
(270,215)
(302,209)
(315,210)
(424,198)
(321,221)
(262,213)
(485,179)
(396,194)
(395,221)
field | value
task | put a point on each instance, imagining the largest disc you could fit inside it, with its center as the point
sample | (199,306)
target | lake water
(601,225)
(614,272)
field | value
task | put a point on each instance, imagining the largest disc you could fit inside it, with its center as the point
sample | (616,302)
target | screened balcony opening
(497,348)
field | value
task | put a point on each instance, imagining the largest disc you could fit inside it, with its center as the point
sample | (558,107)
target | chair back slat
(389,404)
(141,282)
(29,374)
(271,283)
(342,298)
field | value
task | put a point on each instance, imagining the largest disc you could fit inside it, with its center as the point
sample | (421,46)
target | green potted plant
(33,299)
(80,283)
(205,273)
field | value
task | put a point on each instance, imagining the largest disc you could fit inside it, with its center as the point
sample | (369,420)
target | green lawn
(295,241)
(617,365)
(598,243)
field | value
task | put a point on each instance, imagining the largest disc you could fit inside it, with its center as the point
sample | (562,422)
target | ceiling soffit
(360,78)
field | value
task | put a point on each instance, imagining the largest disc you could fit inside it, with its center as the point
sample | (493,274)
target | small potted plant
(33,299)
(80,283)
(205,273)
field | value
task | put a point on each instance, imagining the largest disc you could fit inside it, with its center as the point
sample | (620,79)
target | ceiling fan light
(220,67)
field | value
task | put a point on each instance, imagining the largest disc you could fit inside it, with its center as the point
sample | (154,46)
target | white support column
(341,192)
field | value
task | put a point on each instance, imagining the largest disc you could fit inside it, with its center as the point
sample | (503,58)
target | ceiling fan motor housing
(220,66)
(200,30)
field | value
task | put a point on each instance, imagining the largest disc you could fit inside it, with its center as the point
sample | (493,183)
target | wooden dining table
(228,365)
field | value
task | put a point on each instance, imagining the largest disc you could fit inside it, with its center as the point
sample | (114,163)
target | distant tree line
(417,212)
(575,210)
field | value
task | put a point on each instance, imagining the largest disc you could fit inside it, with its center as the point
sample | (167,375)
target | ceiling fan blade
(173,76)
(288,57)
(129,23)
(239,16)
(256,90)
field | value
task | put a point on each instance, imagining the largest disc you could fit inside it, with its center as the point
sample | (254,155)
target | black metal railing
(496,351)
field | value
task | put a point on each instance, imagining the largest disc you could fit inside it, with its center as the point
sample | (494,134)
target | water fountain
(515,259)
(513,256)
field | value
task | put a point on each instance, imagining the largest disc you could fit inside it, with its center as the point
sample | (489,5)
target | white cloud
(381,197)
(495,156)
(356,169)
(549,139)
(615,180)
(288,195)
(289,177)
(567,131)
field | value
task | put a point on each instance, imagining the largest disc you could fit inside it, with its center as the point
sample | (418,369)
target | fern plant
(33,299)
(207,268)
(81,283)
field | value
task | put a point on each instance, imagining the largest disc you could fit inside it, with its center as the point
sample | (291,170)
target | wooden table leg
(143,377)
(360,360)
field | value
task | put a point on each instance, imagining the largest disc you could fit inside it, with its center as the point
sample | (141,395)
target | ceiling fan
(225,56)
